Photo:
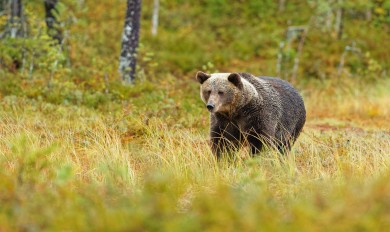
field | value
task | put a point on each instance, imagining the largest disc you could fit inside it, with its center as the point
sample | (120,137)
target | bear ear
(235,78)
(202,77)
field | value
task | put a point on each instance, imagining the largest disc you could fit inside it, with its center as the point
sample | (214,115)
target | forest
(102,127)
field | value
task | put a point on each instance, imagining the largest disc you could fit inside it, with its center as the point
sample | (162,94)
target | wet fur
(263,110)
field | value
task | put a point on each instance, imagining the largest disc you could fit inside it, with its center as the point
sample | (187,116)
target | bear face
(220,91)
(224,92)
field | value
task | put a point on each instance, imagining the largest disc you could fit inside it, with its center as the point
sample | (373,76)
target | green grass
(147,166)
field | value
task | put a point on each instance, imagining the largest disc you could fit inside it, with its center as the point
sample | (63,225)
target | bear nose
(210,107)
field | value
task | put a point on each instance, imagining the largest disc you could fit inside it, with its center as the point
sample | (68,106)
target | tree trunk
(2,5)
(130,37)
(329,20)
(51,20)
(339,27)
(294,72)
(368,14)
(282,4)
(15,20)
(15,27)
(156,7)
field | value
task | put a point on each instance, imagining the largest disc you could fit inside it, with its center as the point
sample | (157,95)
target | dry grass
(83,169)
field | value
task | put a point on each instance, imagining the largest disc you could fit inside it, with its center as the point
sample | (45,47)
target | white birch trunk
(156,7)
(15,20)
(339,22)
(282,4)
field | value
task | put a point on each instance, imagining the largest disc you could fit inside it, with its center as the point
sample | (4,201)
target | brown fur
(254,109)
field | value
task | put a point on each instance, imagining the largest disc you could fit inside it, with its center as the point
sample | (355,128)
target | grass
(146,165)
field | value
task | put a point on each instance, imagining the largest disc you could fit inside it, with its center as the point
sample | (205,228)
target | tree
(16,25)
(156,6)
(51,20)
(2,5)
(130,38)
(282,4)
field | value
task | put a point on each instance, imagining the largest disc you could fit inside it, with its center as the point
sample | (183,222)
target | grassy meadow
(79,151)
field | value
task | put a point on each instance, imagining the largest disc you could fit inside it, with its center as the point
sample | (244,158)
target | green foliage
(36,51)
(232,36)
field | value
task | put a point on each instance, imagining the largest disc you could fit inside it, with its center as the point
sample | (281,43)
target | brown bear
(259,110)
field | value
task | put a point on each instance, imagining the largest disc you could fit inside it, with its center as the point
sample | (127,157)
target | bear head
(221,92)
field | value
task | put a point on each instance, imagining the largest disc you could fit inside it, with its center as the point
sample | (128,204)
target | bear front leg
(255,143)
(257,138)
(225,138)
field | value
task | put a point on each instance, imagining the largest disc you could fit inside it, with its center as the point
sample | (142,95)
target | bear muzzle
(210,107)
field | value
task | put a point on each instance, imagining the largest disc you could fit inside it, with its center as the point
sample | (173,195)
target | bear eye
(220,92)
(209,92)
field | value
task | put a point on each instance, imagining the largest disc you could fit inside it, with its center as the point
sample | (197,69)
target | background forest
(82,150)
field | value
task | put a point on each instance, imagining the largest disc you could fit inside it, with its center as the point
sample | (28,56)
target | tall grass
(74,168)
